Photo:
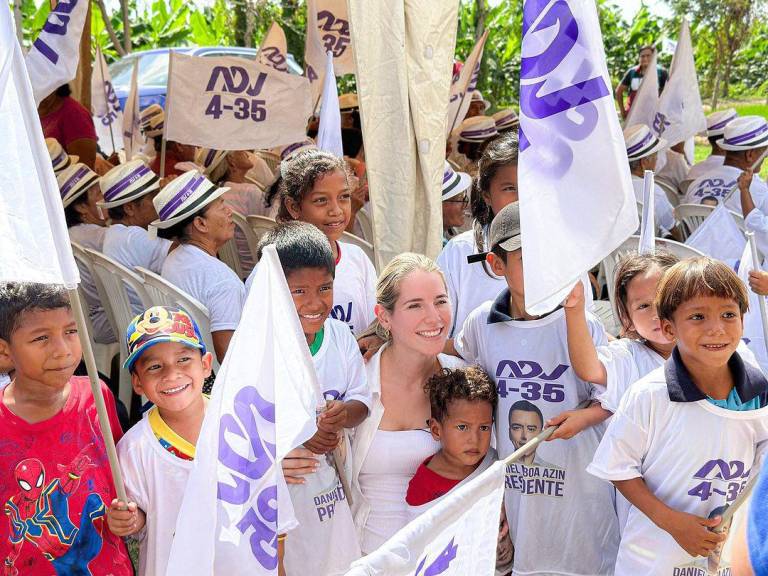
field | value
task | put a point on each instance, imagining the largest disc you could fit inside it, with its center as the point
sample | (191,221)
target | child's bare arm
(572,422)
(691,532)
(356,413)
(338,415)
(581,348)
(125,519)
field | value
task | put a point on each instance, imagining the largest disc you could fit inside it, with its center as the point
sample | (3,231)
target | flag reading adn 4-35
(232,103)
(34,245)
(456,537)
(327,31)
(263,405)
(576,198)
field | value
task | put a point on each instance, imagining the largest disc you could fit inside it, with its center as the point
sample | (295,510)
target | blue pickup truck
(153,70)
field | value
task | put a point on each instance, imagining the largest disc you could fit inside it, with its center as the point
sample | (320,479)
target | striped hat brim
(755,139)
(646,149)
(457,184)
(79,188)
(191,206)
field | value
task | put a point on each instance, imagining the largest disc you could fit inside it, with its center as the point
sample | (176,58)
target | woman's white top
(374,496)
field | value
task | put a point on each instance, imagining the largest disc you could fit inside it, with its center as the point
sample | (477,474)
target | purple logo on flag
(440,564)
(57,23)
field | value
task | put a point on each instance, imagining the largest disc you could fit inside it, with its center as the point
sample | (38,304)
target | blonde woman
(413,315)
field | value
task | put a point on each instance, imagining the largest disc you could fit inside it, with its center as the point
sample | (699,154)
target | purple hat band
(736,140)
(62,156)
(478,133)
(125,182)
(636,147)
(178,199)
(74,179)
(511,117)
(209,157)
(447,175)
(291,148)
(722,123)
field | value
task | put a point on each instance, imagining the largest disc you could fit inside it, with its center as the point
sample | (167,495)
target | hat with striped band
(454,183)
(289,151)
(209,159)
(152,120)
(745,133)
(74,180)
(641,142)
(59,157)
(127,182)
(477,129)
(348,101)
(477,96)
(717,121)
(505,119)
(183,197)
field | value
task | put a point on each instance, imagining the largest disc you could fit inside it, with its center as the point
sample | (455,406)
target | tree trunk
(81,85)
(727,73)
(481,11)
(126,27)
(250,16)
(110,29)
(17,16)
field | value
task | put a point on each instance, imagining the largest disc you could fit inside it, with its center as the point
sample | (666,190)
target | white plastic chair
(366,224)
(242,224)
(357,241)
(603,309)
(684,185)
(259,225)
(692,216)
(610,262)
(670,191)
(115,281)
(160,292)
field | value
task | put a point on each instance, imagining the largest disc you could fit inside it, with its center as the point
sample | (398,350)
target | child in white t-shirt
(684,439)
(560,519)
(325,542)
(315,188)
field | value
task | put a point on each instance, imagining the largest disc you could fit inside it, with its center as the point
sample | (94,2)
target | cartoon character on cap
(80,194)
(478,105)
(59,157)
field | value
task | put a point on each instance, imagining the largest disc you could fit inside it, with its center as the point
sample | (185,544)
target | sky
(630,7)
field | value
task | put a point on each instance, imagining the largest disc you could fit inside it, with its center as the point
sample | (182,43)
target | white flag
(263,405)
(753,327)
(456,537)
(648,223)
(464,85)
(572,213)
(646,101)
(680,114)
(327,30)
(229,103)
(274,49)
(34,244)
(719,237)
(329,132)
(133,138)
(52,60)
(107,115)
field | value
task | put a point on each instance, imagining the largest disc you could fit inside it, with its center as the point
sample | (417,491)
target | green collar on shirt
(317,342)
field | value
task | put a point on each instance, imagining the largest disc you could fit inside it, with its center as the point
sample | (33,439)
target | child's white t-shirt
(208,280)
(719,182)
(354,288)
(325,543)
(625,361)
(665,218)
(561,520)
(701,168)
(694,456)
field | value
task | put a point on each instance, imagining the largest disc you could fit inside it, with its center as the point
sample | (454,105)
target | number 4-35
(243,108)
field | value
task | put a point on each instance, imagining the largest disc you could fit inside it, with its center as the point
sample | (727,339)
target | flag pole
(162,157)
(760,299)
(734,506)
(104,88)
(101,408)
(760,159)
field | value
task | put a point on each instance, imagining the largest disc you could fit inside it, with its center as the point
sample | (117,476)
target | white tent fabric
(407,49)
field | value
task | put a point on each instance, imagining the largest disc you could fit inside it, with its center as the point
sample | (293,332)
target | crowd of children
(658,431)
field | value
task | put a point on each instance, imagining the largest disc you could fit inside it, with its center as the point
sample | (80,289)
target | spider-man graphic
(39,515)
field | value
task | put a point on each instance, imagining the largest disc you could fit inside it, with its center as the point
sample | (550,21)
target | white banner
(273,51)
(577,203)
(456,537)
(680,114)
(327,30)
(329,132)
(462,88)
(34,244)
(263,405)
(232,103)
(646,101)
(648,223)
(107,115)
(719,237)
(133,139)
(753,326)
(52,60)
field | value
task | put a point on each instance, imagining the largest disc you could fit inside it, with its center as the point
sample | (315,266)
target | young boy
(54,473)
(684,439)
(462,403)
(168,363)
(562,521)
(326,541)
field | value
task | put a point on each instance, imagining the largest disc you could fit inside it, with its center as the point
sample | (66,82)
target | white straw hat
(717,121)
(641,142)
(127,182)
(477,96)
(289,151)
(183,197)
(745,133)
(454,183)
(348,101)
(152,120)
(59,157)
(477,129)
(505,119)
(74,180)
(209,159)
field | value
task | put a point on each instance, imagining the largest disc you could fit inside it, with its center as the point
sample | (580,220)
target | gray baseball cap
(505,228)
